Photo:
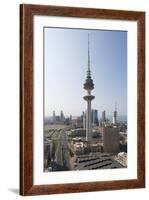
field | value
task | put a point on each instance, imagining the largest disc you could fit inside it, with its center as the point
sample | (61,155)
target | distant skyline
(65,66)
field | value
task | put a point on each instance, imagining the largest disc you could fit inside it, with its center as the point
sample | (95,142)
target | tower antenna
(88,53)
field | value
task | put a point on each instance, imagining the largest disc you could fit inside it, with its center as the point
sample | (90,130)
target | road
(62,156)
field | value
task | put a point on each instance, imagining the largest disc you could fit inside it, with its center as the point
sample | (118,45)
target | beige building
(111,139)
(121,158)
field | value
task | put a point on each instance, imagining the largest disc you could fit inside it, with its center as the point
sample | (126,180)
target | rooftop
(96,161)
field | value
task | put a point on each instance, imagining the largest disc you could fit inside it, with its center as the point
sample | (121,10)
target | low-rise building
(121,158)
(95,161)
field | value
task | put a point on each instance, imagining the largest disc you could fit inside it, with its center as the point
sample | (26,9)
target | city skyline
(64,76)
(109,116)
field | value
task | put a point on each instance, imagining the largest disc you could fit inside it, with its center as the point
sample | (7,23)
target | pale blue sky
(65,65)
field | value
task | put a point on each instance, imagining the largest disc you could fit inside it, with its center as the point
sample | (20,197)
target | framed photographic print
(82,99)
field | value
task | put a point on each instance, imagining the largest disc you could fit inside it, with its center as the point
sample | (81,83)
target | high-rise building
(95,117)
(84,120)
(79,122)
(54,117)
(115,116)
(62,116)
(88,86)
(103,116)
(70,118)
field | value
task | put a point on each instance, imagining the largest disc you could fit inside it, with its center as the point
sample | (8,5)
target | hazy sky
(65,65)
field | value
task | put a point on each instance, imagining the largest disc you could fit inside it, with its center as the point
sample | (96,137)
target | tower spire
(88,54)
(88,70)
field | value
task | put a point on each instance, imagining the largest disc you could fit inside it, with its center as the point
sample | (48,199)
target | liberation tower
(88,86)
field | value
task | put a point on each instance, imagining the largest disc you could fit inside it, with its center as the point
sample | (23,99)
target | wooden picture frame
(27,12)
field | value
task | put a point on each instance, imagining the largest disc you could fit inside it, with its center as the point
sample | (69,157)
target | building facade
(111,139)
(95,117)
